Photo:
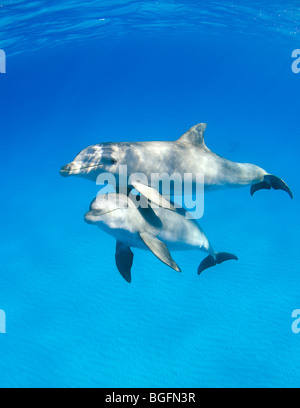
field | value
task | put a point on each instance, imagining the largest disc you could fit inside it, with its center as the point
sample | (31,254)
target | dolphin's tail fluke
(219,258)
(270,182)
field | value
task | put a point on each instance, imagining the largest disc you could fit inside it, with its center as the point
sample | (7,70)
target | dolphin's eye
(108,156)
(108,160)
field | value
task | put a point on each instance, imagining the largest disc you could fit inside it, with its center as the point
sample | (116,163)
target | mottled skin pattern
(189,154)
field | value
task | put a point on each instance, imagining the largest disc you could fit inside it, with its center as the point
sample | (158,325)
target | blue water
(80,73)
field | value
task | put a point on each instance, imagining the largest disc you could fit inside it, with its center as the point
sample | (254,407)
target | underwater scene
(97,291)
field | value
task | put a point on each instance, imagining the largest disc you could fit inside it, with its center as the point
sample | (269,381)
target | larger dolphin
(189,154)
(157,230)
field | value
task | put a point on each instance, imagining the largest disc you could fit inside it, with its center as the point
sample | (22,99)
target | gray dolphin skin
(158,230)
(188,155)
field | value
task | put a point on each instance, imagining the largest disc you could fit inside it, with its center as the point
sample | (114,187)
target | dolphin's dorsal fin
(195,135)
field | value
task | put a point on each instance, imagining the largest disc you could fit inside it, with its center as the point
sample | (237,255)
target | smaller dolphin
(154,229)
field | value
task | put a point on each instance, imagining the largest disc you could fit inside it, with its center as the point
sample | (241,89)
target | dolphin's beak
(96,216)
(66,170)
(75,169)
(93,217)
(89,218)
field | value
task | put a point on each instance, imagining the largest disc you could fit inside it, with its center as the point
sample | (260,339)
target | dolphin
(188,155)
(155,229)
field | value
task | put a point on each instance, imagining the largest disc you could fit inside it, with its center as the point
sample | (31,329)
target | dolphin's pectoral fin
(149,215)
(152,195)
(271,182)
(159,249)
(220,257)
(124,260)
